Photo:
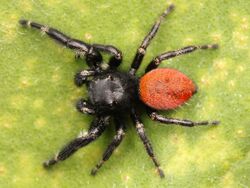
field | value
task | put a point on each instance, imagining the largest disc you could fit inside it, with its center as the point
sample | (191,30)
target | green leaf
(37,96)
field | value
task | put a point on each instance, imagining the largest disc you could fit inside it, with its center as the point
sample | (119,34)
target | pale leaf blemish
(174,138)
(241,133)
(9,30)
(88,36)
(220,64)
(78,91)
(240,68)
(212,144)
(2,170)
(24,170)
(131,32)
(231,84)
(38,103)
(213,136)
(6,124)
(244,20)
(240,40)
(183,7)
(7,120)
(188,41)
(117,151)
(205,80)
(18,101)
(216,37)
(52,3)
(55,77)
(223,75)
(26,5)
(61,50)
(58,110)
(244,24)
(201,5)
(240,34)
(126,178)
(30,63)
(208,108)
(104,6)
(134,35)
(40,122)
(24,83)
(234,16)
(178,164)
(228,180)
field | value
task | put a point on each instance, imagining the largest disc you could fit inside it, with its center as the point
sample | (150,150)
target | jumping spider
(112,93)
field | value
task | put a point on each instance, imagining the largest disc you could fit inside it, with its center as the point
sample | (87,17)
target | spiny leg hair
(96,129)
(120,132)
(141,132)
(145,43)
(157,60)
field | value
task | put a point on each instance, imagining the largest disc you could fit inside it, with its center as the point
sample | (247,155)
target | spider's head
(112,92)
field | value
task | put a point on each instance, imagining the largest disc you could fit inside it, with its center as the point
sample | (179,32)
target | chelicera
(112,93)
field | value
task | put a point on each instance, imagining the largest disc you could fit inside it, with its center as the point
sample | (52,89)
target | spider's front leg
(93,56)
(82,49)
(96,129)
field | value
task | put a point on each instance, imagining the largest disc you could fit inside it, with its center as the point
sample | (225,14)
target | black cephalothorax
(112,93)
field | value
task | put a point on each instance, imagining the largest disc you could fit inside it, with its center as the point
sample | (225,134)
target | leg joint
(153,116)
(141,50)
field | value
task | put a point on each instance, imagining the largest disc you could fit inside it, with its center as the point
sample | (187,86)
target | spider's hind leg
(183,122)
(171,54)
(96,129)
(120,132)
(141,132)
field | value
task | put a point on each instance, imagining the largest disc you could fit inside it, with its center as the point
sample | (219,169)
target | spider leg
(183,122)
(96,129)
(82,76)
(141,132)
(120,132)
(157,60)
(93,57)
(145,43)
(84,107)
(116,57)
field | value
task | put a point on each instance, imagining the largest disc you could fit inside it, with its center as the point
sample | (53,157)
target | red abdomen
(165,88)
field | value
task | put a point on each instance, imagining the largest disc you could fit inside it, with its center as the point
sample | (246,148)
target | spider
(112,93)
